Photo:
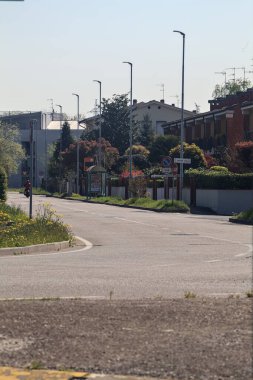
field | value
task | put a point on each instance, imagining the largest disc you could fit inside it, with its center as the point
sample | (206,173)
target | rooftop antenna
(162,89)
(52,107)
(223,73)
(233,68)
(177,97)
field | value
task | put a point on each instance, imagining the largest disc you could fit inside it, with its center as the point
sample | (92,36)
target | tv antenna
(177,97)
(223,73)
(162,89)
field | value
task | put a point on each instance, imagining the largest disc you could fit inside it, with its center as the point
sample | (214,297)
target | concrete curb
(10,373)
(238,221)
(49,247)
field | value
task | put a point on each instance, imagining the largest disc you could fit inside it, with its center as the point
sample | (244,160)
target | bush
(219,169)
(193,152)
(244,153)
(138,187)
(3,184)
(219,180)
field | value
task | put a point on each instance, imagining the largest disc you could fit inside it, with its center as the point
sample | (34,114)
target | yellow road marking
(9,373)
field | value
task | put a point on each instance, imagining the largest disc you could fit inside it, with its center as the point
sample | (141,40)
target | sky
(50,49)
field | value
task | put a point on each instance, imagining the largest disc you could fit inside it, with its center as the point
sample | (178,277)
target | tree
(161,147)
(3,184)
(145,133)
(193,152)
(116,121)
(64,141)
(230,88)
(89,149)
(11,151)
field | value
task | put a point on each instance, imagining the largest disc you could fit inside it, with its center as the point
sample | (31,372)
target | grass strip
(17,230)
(146,203)
(245,216)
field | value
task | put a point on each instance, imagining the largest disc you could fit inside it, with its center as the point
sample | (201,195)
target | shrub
(3,184)
(219,169)
(219,180)
(138,186)
(193,152)
(244,153)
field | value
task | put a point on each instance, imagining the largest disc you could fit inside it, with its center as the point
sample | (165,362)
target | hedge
(3,184)
(219,180)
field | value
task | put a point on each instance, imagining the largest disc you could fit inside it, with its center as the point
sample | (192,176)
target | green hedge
(3,184)
(219,180)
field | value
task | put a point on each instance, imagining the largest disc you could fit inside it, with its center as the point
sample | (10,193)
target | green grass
(161,205)
(17,230)
(245,216)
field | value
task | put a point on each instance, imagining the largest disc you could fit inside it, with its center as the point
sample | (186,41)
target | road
(134,254)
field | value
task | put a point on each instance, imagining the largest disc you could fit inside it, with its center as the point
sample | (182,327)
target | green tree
(161,147)
(145,133)
(230,88)
(116,121)
(193,152)
(64,141)
(11,151)
(3,184)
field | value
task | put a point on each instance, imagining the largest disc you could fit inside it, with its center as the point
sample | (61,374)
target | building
(229,121)
(47,130)
(158,113)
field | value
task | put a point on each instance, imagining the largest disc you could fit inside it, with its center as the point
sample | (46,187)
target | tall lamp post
(181,182)
(131,120)
(100,121)
(77,147)
(58,105)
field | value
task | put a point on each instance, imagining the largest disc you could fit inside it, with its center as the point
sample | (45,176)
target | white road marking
(135,221)
(212,261)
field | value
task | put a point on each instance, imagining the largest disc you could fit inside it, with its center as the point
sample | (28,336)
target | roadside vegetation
(146,203)
(244,216)
(17,230)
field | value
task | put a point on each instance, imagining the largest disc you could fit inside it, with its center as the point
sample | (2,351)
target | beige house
(158,112)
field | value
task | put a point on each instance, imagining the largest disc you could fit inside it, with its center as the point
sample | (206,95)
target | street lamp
(131,120)
(77,146)
(181,182)
(58,105)
(100,120)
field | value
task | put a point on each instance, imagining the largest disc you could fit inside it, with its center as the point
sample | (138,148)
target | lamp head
(178,31)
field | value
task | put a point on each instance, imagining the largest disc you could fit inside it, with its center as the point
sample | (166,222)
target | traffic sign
(166,161)
(182,160)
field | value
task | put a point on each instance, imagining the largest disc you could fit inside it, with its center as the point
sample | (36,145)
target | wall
(225,202)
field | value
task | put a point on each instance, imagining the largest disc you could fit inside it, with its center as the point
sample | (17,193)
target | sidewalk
(166,339)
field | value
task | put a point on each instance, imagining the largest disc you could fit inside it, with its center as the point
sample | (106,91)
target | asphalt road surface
(134,254)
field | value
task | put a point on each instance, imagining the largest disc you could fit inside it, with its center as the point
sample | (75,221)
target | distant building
(230,120)
(158,112)
(46,131)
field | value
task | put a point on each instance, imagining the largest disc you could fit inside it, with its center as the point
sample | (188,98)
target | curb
(238,221)
(10,373)
(49,247)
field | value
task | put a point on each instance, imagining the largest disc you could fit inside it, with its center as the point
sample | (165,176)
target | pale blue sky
(51,48)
